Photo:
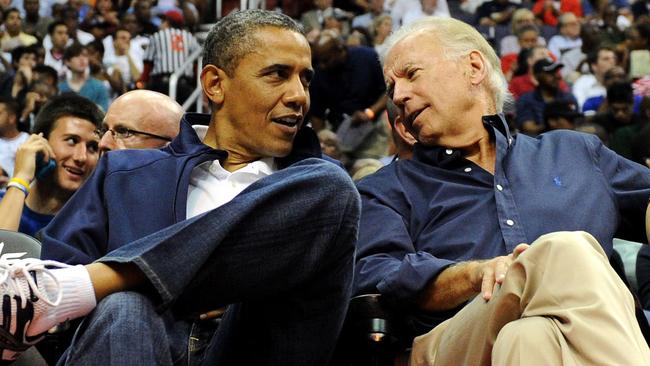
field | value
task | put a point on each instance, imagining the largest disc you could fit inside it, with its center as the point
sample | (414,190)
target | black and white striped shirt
(169,48)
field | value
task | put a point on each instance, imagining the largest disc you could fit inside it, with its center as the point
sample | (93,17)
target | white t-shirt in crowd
(8,149)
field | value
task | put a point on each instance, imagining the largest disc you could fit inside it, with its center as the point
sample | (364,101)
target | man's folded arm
(387,261)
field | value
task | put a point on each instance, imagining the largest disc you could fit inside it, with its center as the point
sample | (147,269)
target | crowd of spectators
(102,49)
(565,54)
(99,50)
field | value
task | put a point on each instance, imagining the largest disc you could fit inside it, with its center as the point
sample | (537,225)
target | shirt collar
(261,168)
(452,158)
(305,144)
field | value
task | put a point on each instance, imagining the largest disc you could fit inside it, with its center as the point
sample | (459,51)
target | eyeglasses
(121,132)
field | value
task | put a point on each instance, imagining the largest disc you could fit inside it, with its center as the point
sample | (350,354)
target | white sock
(77,298)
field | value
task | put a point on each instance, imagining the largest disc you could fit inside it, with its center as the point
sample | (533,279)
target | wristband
(19,186)
(369,113)
(23,183)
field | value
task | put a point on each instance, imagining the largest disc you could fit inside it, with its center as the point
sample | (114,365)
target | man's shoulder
(94,82)
(134,159)
(529,97)
(381,174)
(386,179)
(585,80)
(22,137)
(363,52)
(566,138)
(565,96)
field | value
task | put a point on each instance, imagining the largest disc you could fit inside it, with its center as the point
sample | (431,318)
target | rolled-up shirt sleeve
(387,259)
(629,181)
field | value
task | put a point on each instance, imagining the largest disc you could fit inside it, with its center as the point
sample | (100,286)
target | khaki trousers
(561,303)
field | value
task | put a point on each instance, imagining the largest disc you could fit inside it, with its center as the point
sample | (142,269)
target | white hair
(458,39)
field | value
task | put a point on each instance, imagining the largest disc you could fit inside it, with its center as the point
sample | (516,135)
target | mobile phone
(43,168)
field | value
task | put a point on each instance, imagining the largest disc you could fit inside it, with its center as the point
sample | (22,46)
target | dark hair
(12,10)
(10,105)
(121,28)
(73,50)
(233,37)
(592,57)
(644,32)
(66,104)
(53,25)
(522,62)
(70,12)
(527,28)
(47,71)
(620,92)
(96,45)
(19,51)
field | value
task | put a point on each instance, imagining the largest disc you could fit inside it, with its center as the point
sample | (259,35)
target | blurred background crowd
(570,64)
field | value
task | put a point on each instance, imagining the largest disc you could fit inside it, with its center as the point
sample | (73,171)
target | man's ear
(212,81)
(478,67)
(403,132)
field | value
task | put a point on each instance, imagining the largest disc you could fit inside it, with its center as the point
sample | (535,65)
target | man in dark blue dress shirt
(456,220)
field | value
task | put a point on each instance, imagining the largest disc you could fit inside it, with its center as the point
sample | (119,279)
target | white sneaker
(24,300)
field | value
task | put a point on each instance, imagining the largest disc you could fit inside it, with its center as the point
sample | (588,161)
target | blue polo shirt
(422,215)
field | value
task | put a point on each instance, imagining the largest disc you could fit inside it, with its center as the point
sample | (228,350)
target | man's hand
(24,73)
(492,272)
(121,47)
(25,167)
(359,117)
(485,21)
(461,282)
(31,100)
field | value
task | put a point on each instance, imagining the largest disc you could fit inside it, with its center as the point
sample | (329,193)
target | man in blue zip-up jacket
(259,222)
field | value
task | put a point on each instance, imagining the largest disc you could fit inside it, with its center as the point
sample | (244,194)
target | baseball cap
(546,65)
(173,16)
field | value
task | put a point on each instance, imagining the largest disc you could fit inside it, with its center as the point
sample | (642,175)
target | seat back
(18,245)
(15,245)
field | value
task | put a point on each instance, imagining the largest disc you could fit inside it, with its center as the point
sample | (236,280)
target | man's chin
(68,187)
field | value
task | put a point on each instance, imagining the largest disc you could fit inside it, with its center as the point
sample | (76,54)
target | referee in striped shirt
(168,49)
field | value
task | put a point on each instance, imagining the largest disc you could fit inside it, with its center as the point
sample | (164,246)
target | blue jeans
(280,255)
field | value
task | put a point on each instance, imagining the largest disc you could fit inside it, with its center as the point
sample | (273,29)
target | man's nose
(298,94)
(400,95)
(107,142)
(80,153)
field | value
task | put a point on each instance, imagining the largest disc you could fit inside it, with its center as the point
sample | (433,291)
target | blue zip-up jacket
(133,193)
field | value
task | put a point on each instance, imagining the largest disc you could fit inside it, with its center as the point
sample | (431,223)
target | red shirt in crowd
(547,15)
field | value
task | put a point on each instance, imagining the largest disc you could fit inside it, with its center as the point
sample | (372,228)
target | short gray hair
(233,37)
(457,40)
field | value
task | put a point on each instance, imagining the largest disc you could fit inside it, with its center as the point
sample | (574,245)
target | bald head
(152,117)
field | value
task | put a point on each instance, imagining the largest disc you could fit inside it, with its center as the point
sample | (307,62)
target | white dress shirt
(212,186)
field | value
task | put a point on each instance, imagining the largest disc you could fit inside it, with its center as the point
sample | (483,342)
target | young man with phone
(52,164)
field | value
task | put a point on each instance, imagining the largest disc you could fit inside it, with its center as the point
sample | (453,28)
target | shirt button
(449,151)
(499,187)
(467,170)
(510,222)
